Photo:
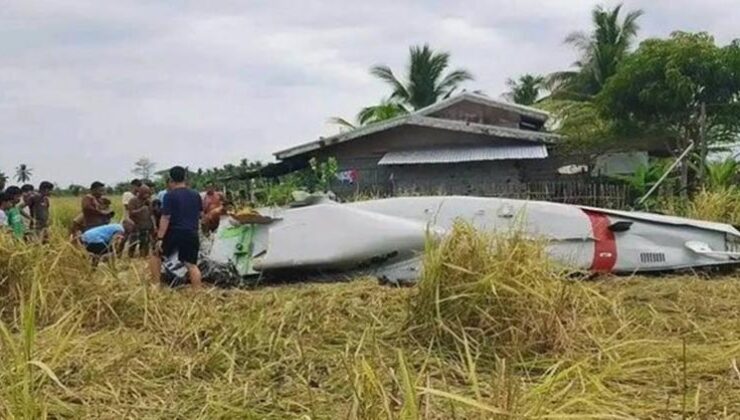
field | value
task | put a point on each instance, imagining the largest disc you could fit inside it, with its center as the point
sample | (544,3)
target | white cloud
(87,89)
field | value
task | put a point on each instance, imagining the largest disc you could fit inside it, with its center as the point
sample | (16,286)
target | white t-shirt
(3,218)
(127,196)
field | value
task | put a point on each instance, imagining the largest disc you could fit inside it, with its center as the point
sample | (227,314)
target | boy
(15,219)
(38,204)
(102,240)
(139,211)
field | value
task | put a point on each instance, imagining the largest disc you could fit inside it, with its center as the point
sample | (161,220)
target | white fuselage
(388,235)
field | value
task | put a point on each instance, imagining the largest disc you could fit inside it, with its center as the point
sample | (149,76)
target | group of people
(168,223)
(95,229)
(24,211)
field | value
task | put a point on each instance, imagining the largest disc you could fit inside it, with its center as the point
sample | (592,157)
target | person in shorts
(38,204)
(179,226)
(140,212)
(107,239)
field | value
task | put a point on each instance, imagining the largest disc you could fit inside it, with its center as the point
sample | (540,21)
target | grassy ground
(486,335)
(65,209)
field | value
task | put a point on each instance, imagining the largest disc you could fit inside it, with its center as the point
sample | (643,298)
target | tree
(144,168)
(3,180)
(426,80)
(75,189)
(602,51)
(23,173)
(386,110)
(526,90)
(681,89)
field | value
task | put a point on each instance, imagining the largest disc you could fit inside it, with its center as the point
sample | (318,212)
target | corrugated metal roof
(464,154)
(422,118)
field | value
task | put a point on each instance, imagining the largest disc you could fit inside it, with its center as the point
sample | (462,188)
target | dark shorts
(185,243)
(97,248)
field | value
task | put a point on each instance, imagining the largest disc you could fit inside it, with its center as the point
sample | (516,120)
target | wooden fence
(585,192)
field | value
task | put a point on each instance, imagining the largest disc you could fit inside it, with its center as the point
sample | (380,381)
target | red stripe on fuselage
(605,247)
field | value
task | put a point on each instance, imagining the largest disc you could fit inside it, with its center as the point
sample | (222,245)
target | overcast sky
(89,86)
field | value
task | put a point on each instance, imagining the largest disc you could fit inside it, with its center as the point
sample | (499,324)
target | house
(461,145)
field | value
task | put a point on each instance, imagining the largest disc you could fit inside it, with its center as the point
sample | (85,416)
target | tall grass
(492,333)
(500,290)
(65,209)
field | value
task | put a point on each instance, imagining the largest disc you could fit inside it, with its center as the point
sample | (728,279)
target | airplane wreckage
(386,238)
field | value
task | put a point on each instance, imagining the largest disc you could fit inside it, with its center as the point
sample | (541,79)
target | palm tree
(425,82)
(525,90)
(385,110)
(601,52)
(23,173)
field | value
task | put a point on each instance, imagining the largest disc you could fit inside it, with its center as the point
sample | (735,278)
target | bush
(719,205)
(500,290)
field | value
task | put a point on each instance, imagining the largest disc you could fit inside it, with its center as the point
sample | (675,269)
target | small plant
(323,173)
(722,175)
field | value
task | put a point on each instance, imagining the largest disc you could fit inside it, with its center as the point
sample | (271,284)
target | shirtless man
(213,206)
(94,212)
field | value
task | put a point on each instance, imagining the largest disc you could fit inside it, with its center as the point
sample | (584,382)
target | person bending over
(104,240)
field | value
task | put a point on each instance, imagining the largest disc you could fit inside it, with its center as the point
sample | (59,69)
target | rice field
(488,333)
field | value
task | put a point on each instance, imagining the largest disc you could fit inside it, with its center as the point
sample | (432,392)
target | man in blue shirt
(102,240)
(179,227)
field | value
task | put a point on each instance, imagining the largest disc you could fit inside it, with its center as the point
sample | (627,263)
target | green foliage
(279,193)
(662,86)
(585,130)
(23,173)
(427,79)
(230,176)
(722,174)
(385,110)
(317,178)
(323,174)
(75,189)
(644,178)
(602,51)
(526,90)
(426,82)
(3,180)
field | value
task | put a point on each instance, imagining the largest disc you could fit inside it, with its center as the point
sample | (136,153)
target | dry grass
(105,344)
(65,209)
(500,291)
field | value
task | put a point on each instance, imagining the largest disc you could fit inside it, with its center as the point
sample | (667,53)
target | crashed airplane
(386,237)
